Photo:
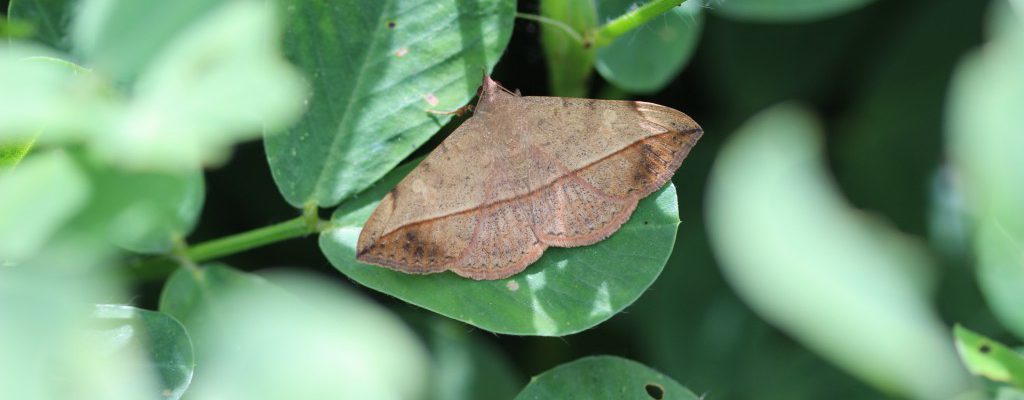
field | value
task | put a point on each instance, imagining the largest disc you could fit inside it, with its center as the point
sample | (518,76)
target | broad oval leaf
(784,10)
(604,377)
(848,287)
(164,341)
(649,57)
(376,69)
(566,291)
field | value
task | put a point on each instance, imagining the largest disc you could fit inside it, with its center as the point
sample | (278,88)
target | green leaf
(466,367)
(144,212)
(985,100)
(648,58)
(39,197)
(566,291)
(217,83)
(604,377)
(197,297)
(98,31)
(986,357)
(296,338)
(163,340)
(783,10)
(50,347)
(48,98)
(48,18)
(570,61)
(850,288)
(12,153)
(376,69)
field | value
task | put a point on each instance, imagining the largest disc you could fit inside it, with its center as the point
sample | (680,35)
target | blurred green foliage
(856,194)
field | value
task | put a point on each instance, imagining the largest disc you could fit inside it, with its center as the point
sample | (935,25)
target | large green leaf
(49,19)
(784,10)
(164,341)
(38,197)
(570,60)
(649,57)
(376,69)
(850,288)
(298,337)
(604,377)
(566,291)
(985,100)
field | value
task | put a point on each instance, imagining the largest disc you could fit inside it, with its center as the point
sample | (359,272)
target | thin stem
(633,19)
(555,23)
(160,267)
(240,242)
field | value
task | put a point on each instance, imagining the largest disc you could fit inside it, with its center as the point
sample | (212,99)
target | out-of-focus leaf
(48,18)
(217,83)
(12,153)
(142,211)
(376,69)
(604,377)
(1009,393)
(846,286)
(569,61)
(99,31)
(198,298)
(566,291)
(118,328)
(646,59)
(984,117)
(467,367)
(49,349)
(783,10)
(48,98)
(310,340)
(220,81)
(36,199)
(988,358)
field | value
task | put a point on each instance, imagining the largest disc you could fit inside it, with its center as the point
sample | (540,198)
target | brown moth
(522,174)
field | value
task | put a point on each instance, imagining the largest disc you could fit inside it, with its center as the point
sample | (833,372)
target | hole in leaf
(985,349)
(654,390)
(391,24)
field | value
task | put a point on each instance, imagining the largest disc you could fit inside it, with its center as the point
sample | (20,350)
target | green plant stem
(160,267)
(555,23)
(631,20)
(240,242)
